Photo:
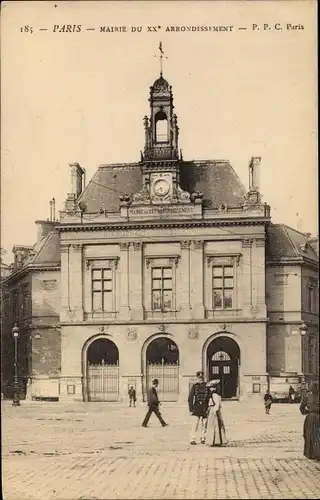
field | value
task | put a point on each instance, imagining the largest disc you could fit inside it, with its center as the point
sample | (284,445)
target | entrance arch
(162,362)
(223,361)
(102,363)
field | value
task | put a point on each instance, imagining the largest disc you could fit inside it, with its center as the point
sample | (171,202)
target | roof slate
(285,242)
(49,251)
(216,179)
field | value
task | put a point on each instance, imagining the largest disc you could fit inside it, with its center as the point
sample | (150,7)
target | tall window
(161,127)
(311,299)
(161,283)
(222,287)
(102,289)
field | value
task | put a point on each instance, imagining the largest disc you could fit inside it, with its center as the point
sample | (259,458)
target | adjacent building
(159,268)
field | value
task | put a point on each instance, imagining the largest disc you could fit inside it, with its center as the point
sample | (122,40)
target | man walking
(198,406)
(153,404)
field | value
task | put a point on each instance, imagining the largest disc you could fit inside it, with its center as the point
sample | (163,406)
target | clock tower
(161,158)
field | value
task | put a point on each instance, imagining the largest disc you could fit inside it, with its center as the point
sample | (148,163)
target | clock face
(161,187)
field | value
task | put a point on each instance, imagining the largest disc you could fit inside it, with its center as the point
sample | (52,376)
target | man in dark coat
(132,396)
(153,404)
(198,406)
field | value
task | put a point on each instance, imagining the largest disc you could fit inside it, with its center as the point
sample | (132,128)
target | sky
(81,96)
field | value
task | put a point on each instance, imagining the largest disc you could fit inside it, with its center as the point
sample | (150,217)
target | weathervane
(161,57)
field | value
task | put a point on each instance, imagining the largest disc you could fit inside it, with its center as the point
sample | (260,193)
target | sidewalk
(100,451)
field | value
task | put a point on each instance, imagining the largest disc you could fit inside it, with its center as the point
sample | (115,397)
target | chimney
(44,227)
(76,178)
(254,173)
(50,218)
(53,209)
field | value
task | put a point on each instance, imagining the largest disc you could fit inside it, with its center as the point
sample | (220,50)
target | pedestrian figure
(291,394)
(268,402)
(153,404)
(310,407)
(132,397)
(198,406)
(215,428)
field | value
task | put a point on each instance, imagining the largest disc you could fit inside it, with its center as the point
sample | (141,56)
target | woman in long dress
(310,407)
(215,431)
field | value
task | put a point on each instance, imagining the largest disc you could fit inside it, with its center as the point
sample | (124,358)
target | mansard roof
(284,242)
(215,178)
(47,250)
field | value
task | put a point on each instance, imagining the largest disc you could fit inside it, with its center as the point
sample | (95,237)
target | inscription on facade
(164,211)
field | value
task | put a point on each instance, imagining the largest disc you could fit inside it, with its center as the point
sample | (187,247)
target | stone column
(196,279)
(258,274)
(183,284)
(65,305)
(124,280)
(246,278)
(135,284)
(76,282)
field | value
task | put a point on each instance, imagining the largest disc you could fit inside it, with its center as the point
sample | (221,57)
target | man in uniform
(198,406)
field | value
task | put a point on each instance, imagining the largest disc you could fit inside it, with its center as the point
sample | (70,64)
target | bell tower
(160,159)
(161,129)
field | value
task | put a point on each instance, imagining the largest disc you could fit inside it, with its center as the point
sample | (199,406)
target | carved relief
(253,197)
(223,327)
(174,260)
(197,244)
(137,245)
(132,334)
(185,244)
(162,328)
(124,245)
(76,248)
(246,243)
(143,195)
(113,263)
(260,242)
(49,285)
(103,329)
(193,333)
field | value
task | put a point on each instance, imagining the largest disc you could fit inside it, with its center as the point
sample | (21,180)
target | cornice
(292,261)
(159,225)
(168,323)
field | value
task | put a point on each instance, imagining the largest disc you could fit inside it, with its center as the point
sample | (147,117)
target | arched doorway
(102,370)
(223,361)
(162,362)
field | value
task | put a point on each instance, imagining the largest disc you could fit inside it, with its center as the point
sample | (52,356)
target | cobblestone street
(100,451)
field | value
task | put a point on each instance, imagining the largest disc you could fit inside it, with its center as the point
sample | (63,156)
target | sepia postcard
(159,250)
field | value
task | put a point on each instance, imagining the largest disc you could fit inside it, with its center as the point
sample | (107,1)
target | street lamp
(15,335)
(303,331)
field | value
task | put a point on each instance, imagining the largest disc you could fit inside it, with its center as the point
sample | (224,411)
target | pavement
(98,451)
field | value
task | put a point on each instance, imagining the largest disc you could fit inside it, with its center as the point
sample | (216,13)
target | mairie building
(156,269)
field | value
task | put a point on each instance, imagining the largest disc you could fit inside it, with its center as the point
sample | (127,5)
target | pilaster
(258,277)
(76,282)
(135,284)
(124,280)
(183,292)
(196,279)
(246,277)
(65,305)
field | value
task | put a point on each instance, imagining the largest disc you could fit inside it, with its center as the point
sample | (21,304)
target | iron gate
(103,382)
(168,376)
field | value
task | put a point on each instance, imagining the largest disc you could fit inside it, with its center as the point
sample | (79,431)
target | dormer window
(161,123)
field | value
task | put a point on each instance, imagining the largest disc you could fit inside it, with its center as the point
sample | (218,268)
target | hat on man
(155,381)
(200,374)
(213,383)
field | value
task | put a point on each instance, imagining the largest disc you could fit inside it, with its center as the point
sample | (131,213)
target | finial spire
(161,57)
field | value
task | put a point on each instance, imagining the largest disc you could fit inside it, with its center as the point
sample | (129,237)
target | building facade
(162,271)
